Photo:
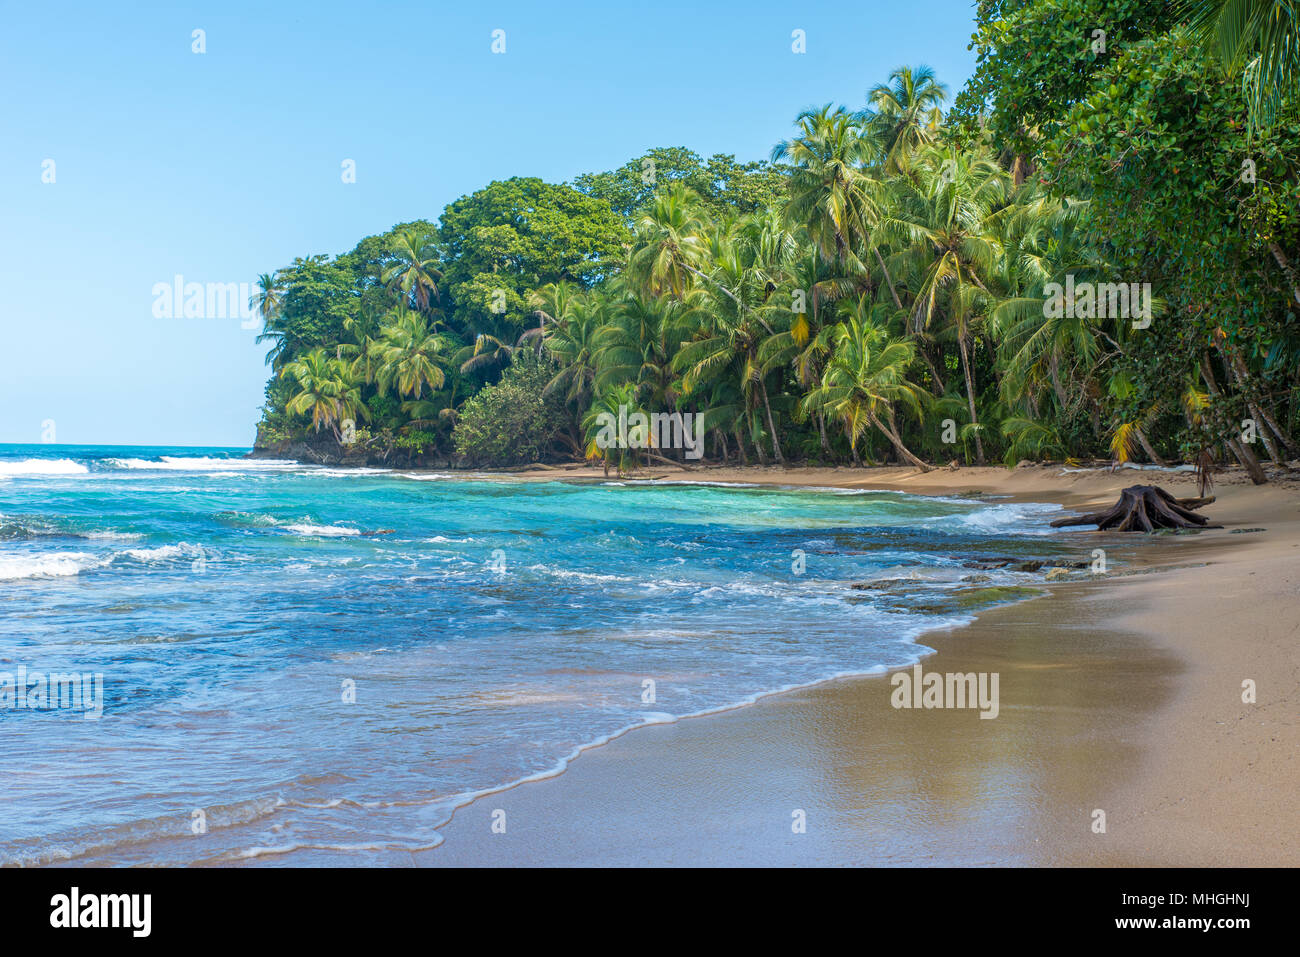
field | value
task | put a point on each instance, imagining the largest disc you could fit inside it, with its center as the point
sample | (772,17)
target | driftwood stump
(1144,508)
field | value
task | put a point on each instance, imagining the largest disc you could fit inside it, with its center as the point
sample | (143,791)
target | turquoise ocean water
(486,629)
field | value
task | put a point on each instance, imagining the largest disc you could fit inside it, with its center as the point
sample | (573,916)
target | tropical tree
(571,331)
(1257,41)
(830,196)
(904,114)
(731,330)
(327,392)
(669,244)
(408,355)
(268,302)
(865,378)
(944,222)
(414,272)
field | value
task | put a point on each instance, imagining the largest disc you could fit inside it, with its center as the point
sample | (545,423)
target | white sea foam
(321,531)
(43,467)
(162,553)
(346,473)
(581,576)
(182,463)
(47,565)
(1003,519)
(65,564)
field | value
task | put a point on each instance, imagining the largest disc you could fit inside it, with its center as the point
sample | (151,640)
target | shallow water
(487,629)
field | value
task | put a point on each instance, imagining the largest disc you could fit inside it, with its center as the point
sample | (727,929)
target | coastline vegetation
(1091,251)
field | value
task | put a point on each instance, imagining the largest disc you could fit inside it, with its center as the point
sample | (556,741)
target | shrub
(512,422)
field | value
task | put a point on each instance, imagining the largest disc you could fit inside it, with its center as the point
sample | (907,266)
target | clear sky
(222,165)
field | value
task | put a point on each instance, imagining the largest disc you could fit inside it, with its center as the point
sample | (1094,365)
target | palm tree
(945,222)
(414,271)
(866,376)
(407,355)
(904,114)
(731,330)
(613,406)
(1043,243)
(327,391)
(830,196)
(668,245)
(1257,40)
(552,302)
(803,339)
(268,302)
(637,342)
(572,339)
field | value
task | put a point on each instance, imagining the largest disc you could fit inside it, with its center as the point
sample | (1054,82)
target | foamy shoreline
(1187,773)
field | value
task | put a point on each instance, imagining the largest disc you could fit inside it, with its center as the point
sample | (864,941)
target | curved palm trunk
(889,281)
(1240,451)
(934,370)
(970,394)
(1257,408)
(740,445)
(1054,371)
(902,449)
(771,425)
(1146,447)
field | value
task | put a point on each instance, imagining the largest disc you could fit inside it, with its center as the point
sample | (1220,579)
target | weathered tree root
(1145,508)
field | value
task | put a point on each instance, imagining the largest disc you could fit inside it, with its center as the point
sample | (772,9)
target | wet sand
(1122,694)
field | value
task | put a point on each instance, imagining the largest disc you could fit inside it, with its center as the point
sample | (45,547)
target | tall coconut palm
(268,302)
(731,329)
(408,355)
(669,246)
(571,339)
(863,381)
(637,342)
(327,391)
(1043,243)
(414,271)
(904,114)
(945,221)
(830,195)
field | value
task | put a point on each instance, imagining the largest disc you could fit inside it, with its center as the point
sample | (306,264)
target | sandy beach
(1121,694)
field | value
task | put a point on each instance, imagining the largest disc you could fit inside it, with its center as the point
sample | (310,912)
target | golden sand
(1122,694)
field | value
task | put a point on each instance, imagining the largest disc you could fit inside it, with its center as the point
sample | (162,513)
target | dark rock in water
(884,584)
(977,579)
(988,564)
(969,599)
(326,451)
(1013,564)
(1243,531)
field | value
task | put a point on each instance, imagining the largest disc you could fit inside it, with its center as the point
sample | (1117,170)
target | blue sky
(223,165)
